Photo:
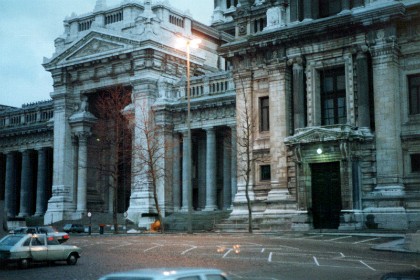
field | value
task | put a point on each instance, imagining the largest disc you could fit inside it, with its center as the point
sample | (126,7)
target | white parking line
(227,253)
(151,248)
(316,261)
(366,240)
(186,251)
(262,250)
(362,262)
(270,257)
(338,238)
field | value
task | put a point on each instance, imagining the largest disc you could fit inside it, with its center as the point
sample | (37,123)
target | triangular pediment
(94,45)
(329,133)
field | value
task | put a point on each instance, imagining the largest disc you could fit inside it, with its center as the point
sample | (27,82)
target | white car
(169,274)
(26,248)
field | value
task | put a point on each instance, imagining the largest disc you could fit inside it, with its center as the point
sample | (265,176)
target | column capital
(209,129)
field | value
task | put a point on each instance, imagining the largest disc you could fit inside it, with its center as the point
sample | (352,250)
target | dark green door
(326,195)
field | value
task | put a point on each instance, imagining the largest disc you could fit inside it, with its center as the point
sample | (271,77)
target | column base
(210,208)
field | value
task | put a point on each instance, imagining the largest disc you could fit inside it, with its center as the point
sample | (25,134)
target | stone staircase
(201,220)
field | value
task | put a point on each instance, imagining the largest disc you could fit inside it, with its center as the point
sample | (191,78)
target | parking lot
(242,256)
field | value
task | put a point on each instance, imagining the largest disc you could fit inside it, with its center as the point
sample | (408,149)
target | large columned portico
(211,170)
(27,179)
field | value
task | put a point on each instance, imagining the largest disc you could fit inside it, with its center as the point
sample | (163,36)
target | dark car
(78,228)
(48,230)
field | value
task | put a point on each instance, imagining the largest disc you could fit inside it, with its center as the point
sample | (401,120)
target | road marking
(186,251)
(262,250)
(228,251)
(338,238)
(366,240)
(362,262)
(151,248)
(316,261)
(314,236)
(270,257)
(122,245)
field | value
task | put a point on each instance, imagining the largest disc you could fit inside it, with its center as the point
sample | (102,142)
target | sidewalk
(409,244)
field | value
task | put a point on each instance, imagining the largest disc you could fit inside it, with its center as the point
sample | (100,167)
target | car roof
(162,273)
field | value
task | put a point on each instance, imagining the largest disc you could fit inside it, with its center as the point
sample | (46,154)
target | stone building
(329,91)
(335,90)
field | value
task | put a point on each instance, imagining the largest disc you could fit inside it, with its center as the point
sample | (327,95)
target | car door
(55,249)
(38,248)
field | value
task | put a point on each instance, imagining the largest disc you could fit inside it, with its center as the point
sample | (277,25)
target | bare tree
(151,153)
(246,125)
(112,140)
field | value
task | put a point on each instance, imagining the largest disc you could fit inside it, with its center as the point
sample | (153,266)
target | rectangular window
(265,173)
(333,96)
(414,94)
(264,114)
(415,162)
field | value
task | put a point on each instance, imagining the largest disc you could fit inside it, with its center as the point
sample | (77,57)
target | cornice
(297,33)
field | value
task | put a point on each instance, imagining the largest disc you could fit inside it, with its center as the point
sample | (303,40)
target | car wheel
(24,263)
(72,259)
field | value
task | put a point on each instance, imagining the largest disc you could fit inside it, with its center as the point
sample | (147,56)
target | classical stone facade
(341,78)
(26,142)
(324,93)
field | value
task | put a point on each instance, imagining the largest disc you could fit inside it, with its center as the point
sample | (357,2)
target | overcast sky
(28,29)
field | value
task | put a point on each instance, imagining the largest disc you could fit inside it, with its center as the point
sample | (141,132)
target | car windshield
(10,240)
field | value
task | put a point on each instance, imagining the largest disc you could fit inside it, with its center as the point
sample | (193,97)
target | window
(259,24)
(265,172)
(264,114)
(37,241)
(415,162)
(414,94)
(333,97)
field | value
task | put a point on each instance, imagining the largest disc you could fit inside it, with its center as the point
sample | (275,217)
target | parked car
(74,228)
(169,274)
(26,248)
(48,230)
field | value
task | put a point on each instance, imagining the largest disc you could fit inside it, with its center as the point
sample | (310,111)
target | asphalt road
(242,256)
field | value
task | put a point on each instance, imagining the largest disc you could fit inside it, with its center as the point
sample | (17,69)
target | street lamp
(188,44)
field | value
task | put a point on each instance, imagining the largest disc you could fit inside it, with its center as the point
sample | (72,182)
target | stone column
(211,191)
(227,189)
(176,180)
(201,162)
(233,164)
(345,5)
(278,198)
(11,184)
(298,92)
(186,171)
(82,173)
(63,175)
(41,188)
(363,89)
(308,10)
(387,113)
(26,185)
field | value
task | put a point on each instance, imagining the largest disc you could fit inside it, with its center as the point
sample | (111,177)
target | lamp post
(188,43)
